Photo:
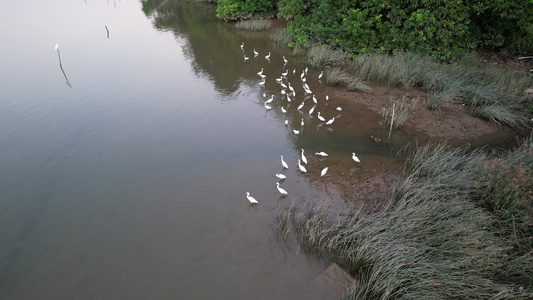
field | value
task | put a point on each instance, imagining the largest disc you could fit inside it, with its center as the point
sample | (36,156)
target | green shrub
(444,31)
(242,9)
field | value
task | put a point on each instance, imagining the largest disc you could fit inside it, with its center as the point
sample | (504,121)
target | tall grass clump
(446,96)
(357,84)
(336,76)
(397,70)
(505,188)
(505,79)
(492,92)
(403,111)
(431,240)
(322,55)
(253,25)
(500,114)
(281,38)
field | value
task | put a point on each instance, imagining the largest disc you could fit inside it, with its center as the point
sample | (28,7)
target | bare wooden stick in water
(60,64)
(392,121)
(107,31)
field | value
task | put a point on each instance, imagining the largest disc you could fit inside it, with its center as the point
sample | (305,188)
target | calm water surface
(129,182)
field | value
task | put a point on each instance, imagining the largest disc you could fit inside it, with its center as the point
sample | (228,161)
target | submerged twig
(107,31)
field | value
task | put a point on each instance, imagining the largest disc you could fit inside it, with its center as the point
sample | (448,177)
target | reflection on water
(132,183)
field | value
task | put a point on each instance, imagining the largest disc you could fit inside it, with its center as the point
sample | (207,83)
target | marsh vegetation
(457,225)
(253,25)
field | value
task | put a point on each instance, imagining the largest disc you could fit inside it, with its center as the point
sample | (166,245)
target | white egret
(330,121)
(255,53)
(285,74)
(327,97)
(260,72)
(283,92)
(283,85)
(339,108)
(242,46)
(281,191)
(268,56)
(320,75)
(304,159)
(262,82)
(323,172)
(321,118)
(294,71)
(306,69)
(321,153)
(264,95)
(302,168)
(314,99)
(355,158)
(279,79)
(267,106)
(296,131)
(270,99)
(312,110)
(302,123)
(281,176)
(283,163)
(288,98)
(263,76)
(285,60)
(251,199)
(246,57)
(300,106)
(283,110)
(286,122)
(303,74)
(291,88)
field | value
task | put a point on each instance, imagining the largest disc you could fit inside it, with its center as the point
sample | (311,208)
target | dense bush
(245,9)
(383,25)
(444,29)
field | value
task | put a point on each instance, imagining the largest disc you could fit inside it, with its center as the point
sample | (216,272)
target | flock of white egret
(288,94)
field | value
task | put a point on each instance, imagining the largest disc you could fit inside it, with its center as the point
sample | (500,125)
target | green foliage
(504,24)
(243,9)
(443,29)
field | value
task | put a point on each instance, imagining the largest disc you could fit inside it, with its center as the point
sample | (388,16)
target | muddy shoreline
(369,182)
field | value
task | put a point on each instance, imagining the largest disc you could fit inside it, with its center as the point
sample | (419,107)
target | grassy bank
(491,92)
(457,226)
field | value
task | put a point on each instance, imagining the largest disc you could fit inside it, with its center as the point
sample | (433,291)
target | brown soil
(369,182)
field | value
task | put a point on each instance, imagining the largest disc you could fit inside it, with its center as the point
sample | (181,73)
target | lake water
(129,180)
